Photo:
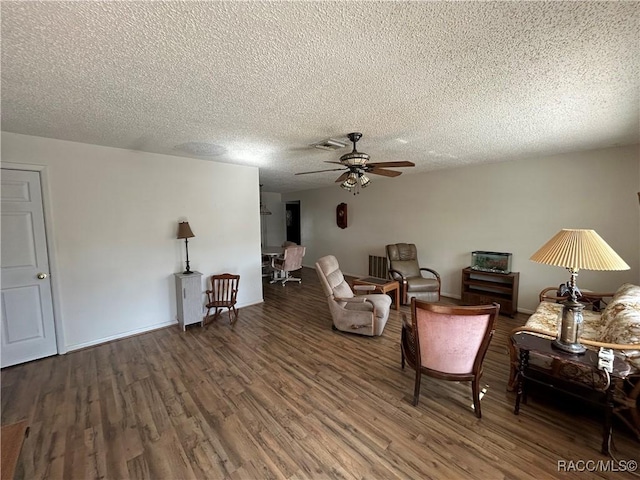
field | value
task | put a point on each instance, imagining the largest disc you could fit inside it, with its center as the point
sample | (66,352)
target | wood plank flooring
(282,396)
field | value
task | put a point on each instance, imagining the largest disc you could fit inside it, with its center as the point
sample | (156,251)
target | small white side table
(189,298)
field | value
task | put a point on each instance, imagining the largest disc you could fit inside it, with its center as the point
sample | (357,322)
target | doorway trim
(51,250)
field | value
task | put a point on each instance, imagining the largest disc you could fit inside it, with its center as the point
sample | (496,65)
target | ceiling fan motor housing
(357,168)
(354,158)
(354,137)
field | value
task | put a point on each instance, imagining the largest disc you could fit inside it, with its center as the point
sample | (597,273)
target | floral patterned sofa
(617,326)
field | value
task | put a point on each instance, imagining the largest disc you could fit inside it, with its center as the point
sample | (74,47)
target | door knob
(42,276)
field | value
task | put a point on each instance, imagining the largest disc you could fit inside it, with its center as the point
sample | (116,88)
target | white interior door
(28,329)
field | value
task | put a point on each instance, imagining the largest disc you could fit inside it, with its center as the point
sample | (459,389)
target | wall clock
(341,215)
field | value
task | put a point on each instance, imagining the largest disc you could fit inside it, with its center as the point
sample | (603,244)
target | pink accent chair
(290,261)
(448,342)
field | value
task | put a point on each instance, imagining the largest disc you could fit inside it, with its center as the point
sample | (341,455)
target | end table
(528,343)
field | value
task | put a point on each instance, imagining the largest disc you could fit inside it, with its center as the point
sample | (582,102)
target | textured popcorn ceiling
(442,84)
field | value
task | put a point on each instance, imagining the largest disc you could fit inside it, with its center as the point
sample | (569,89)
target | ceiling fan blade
(384,173)
(337,163)
(392,164)
(342,177)
(318,171)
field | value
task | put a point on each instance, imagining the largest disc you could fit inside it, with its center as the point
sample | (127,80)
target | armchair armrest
(592,343)
(406,323)
(351,299)
(364,288)
(592,299)
(408,343)
(433,272)
(549,294)
(396,272)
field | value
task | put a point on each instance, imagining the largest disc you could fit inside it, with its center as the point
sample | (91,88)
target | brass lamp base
(570,328)
(574,348)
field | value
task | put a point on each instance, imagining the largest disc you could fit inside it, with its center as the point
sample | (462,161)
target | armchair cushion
(421,284)
(407,268)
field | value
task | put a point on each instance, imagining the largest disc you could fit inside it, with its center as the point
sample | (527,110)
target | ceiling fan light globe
(364,181)
(346,186)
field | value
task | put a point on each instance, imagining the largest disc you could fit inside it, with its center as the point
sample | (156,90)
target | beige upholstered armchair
(290,261)
(403,267)
(363,314)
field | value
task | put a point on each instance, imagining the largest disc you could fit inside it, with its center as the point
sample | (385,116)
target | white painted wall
(115,215)
(510,207)
(273,227)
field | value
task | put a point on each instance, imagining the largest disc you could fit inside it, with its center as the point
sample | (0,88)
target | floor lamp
(576,250)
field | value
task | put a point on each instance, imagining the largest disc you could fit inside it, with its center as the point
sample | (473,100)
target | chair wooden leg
(475,389)
(416,390)
(209,318)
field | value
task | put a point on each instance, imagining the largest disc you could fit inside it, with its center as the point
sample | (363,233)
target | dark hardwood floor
(283,396)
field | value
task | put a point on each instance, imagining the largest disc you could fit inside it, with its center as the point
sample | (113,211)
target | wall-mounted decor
(341,215)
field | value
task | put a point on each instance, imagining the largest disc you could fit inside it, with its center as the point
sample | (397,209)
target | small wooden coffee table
(383,285)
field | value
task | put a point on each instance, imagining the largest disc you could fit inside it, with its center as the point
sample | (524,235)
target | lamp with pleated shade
(576,249)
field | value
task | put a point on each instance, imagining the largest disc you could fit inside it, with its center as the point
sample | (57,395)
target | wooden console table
(528,343)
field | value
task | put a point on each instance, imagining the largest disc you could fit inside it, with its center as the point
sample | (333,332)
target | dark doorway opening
(292,218)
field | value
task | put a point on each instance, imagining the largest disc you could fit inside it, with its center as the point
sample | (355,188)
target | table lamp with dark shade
(576,249)
(184,231)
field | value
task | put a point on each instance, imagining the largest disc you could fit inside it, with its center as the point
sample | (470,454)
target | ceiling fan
(357,166)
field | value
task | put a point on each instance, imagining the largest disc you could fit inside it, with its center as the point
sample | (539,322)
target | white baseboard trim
(250,303)
(118,336)
(138,331)
(450,295)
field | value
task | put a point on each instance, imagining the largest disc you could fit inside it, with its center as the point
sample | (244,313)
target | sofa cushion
(622,316)
(546,317)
